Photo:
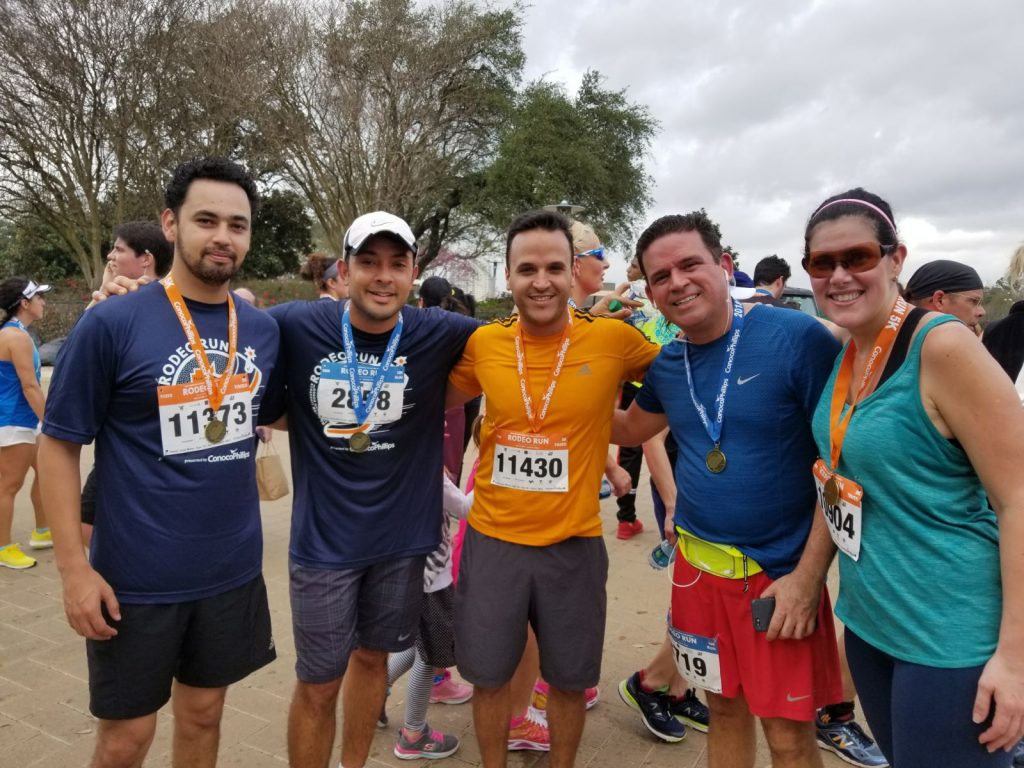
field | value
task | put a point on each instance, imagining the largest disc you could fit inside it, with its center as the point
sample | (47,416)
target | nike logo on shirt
(741,381)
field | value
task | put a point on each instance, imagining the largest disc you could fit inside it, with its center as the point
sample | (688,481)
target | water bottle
(662,555)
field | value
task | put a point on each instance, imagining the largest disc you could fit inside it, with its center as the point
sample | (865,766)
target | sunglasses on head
(597,253)
(855,258)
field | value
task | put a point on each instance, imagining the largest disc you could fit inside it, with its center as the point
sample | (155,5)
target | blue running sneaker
(850,743)
(690,710)
(653,709)
(1018,755)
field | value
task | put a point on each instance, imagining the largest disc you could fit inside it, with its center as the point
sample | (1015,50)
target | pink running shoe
(449,691)
(530,733)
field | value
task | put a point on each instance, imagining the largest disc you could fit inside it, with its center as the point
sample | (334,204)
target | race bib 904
(334,398)
(843,512)
(185,411)
(531,462)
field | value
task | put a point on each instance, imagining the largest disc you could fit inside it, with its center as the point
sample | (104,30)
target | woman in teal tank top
(21,410)
(914,420)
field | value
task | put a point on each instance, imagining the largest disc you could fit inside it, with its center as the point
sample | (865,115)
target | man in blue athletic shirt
(738,394)
(366,443)
(170,381)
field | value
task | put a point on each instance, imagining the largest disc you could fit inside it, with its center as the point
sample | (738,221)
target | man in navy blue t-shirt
(170,381)
(738,394)
(366,383)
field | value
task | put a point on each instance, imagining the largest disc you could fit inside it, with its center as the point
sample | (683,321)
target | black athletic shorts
(208,643)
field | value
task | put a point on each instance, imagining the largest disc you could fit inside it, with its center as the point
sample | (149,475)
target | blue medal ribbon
(714,428)
(364,407)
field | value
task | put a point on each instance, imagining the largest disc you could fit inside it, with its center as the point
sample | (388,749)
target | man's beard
(212,274)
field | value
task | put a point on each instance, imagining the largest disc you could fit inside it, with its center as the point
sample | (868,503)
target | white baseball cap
(376,223)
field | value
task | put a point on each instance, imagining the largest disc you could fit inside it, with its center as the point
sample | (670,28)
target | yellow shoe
(11,556)
(41,539)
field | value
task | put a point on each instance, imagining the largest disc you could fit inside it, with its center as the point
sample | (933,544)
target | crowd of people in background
(884,434)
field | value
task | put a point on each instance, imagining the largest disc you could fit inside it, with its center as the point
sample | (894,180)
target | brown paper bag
(270,476)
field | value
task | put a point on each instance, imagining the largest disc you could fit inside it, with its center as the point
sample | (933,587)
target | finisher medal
(363,404)
(359,442)
(832,491)
(216,386)
(216,430)
(715,460)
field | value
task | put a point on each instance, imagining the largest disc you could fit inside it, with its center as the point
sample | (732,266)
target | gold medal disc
(216,430)
(832,491)
(715,460)
(359,442)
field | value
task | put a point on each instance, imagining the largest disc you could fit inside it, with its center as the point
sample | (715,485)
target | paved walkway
(44,717)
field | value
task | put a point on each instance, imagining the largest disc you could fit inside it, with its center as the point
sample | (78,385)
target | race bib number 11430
(531,462)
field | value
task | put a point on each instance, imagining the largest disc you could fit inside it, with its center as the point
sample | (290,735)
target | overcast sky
(766,108)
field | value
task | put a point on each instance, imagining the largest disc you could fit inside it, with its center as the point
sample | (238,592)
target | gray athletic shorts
(335,611)
(558,589)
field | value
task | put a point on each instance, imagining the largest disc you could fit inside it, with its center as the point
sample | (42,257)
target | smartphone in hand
(761,610)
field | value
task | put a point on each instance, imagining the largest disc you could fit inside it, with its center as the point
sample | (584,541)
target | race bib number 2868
(335,400)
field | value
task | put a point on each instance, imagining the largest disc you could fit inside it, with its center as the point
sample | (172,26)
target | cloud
(768,108)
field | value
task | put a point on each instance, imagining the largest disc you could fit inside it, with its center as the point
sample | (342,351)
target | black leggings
(920,716)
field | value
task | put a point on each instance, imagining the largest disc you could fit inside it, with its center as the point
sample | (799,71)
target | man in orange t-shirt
(533,552)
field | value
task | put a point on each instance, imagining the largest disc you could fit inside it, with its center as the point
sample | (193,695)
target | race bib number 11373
(185,411)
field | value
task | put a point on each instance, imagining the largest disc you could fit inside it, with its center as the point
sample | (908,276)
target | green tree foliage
(389,104)
(282,236)
(29,248)
(100,99)
(998,300)
(588,150)
(356,105)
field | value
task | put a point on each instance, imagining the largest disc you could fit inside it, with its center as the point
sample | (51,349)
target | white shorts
(17,435)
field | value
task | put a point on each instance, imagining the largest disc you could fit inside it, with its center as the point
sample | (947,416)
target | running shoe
(41,539)
(690,710)
(530,733)
(1018,755)
(539,697)
(850,743)
(627,530)
(432,745)
(449,691)
(11,556)
(653,708)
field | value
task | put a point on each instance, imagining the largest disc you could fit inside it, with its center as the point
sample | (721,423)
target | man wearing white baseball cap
(366,384)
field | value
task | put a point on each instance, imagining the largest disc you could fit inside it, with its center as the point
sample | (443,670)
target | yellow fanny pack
(717,559)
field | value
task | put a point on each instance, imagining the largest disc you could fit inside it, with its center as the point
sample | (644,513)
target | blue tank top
(926,588)
(14,408)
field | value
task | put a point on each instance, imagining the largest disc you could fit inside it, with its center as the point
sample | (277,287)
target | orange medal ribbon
(883,344)
(549,391)
(216,387)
